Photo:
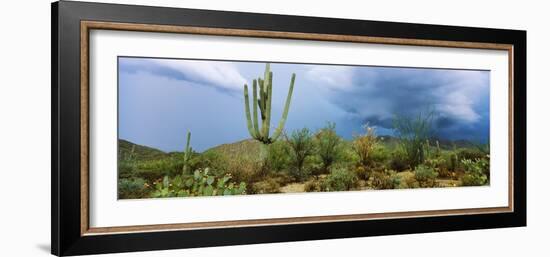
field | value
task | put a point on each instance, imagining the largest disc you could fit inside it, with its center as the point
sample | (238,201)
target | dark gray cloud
(374,95)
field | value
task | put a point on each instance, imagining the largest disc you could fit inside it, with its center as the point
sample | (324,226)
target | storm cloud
(374,95)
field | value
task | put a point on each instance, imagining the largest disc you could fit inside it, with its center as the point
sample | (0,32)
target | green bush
(475,172)
(398,161)
(386,180)
(134,188)
(425,175)
(277,156)
(201,183)
(126,169)
(329,145)
(301,146)
(209,159)
(315,166)
(339,179)
(380,157)
(347,154)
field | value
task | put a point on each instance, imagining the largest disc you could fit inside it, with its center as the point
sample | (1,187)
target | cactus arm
(255,109)
(268,104)
(247,112)
(188,141)
(267,84)
(266,72)
(262,104)
(285,112)
(261,101)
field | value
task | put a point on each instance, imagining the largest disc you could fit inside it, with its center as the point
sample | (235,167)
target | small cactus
(187,153)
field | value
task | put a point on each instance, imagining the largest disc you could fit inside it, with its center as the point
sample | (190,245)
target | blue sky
(161,99)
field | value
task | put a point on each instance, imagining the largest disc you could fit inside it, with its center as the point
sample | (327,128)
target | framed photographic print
(177,128)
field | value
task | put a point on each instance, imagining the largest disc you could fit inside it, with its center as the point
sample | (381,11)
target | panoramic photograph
(191,128)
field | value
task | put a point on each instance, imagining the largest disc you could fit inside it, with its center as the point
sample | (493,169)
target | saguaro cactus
(187,153)
(262,100)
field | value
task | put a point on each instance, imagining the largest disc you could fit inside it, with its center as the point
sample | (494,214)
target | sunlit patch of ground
(293,188)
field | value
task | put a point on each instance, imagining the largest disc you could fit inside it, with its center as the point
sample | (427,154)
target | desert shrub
(470,154)
(126,169)
(409,182)
(475,172)
(339,179)
(364,145)
(469,179)
(312,186)
(329,145)
(301,146)
(398,161)
(277,156)
(362,173)
(266,186)
(150,175)
(201,183)
(173,164)
(443,172)
(437,164)
(425,175)
(347,154)
(164,166)
(178,160)
(386,180)
(413,133)
(243,169)
(209,159)
(450,162)
(134,188)
(433,150)
(380,154)
(443,165)
(315,165)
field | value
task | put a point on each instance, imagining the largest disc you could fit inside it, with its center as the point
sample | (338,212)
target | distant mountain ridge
(249,148)
(127,149)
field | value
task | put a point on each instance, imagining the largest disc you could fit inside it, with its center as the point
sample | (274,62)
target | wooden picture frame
(71,26)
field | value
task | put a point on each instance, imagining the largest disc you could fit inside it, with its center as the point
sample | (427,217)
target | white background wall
(25,127)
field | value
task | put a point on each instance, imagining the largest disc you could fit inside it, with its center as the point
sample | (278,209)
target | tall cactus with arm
(262,100)
(187,153)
